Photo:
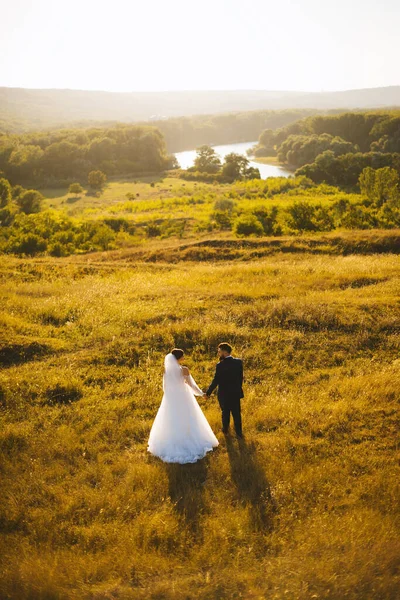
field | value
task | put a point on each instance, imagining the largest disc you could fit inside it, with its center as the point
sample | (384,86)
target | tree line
(185,133)
(336,148)
(59,157)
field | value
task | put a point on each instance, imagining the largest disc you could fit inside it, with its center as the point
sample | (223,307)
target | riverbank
(272,160)
(267,169)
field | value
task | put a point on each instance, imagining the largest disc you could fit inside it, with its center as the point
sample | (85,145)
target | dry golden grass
(307,507)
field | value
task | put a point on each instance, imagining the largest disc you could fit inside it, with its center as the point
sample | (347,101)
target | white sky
(131,45)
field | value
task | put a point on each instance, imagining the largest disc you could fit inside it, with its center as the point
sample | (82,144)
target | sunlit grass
(306,508)
(158,200)
(115,192)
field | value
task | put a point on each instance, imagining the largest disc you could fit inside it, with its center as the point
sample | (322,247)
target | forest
(336,148)
(47,157)
(61,156)
(185,133)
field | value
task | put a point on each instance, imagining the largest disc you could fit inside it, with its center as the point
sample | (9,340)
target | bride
(180,432)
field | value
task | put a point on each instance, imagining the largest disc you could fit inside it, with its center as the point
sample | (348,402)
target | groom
(229,379)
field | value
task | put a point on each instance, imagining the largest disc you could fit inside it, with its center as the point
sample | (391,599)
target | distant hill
(23,109)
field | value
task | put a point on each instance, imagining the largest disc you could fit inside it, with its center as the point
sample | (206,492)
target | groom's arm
(241,372)
(214,383)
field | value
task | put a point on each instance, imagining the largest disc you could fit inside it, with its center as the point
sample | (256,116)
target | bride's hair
(178,353)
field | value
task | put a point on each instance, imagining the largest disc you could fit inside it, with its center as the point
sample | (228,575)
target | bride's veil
(172,373)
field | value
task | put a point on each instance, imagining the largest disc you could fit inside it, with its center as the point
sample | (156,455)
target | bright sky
(143,45)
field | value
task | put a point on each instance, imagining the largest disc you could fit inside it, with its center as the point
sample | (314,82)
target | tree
(252,173)
(75,188)
(103,236)
(300,150)
(30,201)
(206,161)
(97,179)
(379,185)
(6,208)
(266,144)
(5,192)
(235,166)
(172,162)
(346,169)
(17,191)
(267,138)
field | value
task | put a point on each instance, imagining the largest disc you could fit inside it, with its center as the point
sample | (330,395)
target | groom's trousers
(231,406)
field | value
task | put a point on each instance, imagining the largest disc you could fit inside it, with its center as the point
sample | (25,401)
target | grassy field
(155,198)
(306,507)
(113,193)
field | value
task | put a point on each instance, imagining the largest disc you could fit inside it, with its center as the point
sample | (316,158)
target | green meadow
(156,197)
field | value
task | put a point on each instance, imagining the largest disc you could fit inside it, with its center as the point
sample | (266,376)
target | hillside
(306,507)
(30,108)
(307,504)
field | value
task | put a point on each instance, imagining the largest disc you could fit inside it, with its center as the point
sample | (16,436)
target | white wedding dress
(180,432)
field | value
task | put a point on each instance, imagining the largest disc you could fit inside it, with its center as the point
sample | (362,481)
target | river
(186,159)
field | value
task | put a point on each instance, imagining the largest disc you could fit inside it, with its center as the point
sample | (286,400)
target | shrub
(267,218)
(246,225)
(358,217)
(323,219)
(221,219)
(28,243)
(301,216)
(57,249)
(103,236)
(153,231)
(224,204)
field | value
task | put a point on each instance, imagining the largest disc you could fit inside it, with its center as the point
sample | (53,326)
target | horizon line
(205,91)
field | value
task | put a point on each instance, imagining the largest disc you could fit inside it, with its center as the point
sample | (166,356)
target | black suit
(229,379)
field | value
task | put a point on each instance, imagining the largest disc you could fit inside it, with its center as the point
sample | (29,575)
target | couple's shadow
(252,486)
(186,490)
(187,483)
